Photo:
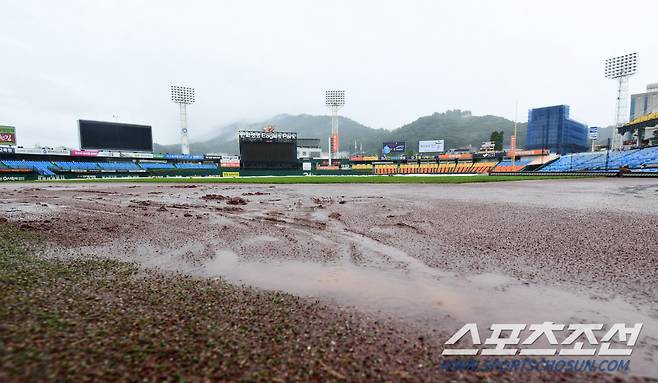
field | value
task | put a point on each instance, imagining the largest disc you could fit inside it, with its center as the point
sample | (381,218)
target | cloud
(248,60)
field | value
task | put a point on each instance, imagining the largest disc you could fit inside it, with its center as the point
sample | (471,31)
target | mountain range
(458,128)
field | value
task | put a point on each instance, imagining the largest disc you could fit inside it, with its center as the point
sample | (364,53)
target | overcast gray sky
(248,60)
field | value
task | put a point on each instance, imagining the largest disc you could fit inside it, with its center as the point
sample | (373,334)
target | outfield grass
(326,179)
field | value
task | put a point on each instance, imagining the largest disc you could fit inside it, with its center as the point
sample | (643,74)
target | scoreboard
(104,135)
(268,150)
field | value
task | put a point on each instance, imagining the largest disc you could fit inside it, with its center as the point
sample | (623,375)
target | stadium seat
(119,166)
(156,165)
(507,166)
(195,166)
(41,167)
(596,161)
(72,165)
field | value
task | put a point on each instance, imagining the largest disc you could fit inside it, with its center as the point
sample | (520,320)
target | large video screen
(261,155)
(394,147)
(115,136)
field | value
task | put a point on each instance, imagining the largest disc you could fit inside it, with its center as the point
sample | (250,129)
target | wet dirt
(434,256)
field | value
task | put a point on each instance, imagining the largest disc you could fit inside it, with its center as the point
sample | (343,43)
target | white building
(644,103)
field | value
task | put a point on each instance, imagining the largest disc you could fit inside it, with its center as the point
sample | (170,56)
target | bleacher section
(447,167)
(41,167)
(634,159)
(195,166)
(48,168)
(483,167)
(386,169)
(77,165)
(433,168)
(119,166)
(507,166)
(156,165)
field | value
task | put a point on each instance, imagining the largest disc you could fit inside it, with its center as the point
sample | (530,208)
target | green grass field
(325,179)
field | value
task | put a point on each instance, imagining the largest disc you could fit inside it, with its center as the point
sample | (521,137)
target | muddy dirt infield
(315,282)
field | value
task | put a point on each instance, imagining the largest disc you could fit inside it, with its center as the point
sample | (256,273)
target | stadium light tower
(183,96)
(621,68)
(334,99)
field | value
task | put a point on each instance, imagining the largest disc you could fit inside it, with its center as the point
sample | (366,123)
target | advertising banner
(334,143)
(176,156)
(136,155)
(230,162)
(7,135)
(535,152)
(430,146)
(85,153)
(256,136)
(479,156)
(394,147)
(456,156)
(56,152)
(102,153)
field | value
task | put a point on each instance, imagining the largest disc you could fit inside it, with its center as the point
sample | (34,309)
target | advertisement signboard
(102,153)
(230,162)
(56,152)
(456,156)
(484,155)
(430,146)
(136,155)
(175,156)
(535,152)
(84,153)
(394,147)
(334,142)
(7,135)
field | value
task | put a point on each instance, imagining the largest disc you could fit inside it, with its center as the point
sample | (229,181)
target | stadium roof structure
(647,121)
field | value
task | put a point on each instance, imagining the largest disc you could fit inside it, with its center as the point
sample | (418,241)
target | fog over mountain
(458,128)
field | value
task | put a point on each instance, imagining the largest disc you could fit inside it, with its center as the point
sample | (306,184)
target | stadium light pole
(334,99)
(183,96)
(513,140)
(620,68)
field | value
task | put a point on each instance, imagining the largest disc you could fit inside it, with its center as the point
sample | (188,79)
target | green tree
(497,139)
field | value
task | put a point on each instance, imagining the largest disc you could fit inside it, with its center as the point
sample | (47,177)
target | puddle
(437,299)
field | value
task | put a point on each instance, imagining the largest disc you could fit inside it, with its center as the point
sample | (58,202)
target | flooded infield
(434,256)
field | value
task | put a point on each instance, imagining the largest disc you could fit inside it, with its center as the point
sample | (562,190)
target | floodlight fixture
(620,68)
(334,100)
(183,96)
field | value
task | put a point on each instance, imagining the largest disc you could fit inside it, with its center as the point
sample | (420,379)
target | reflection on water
(438,299)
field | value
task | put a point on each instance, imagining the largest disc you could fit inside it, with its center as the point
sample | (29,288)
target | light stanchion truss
(183,96)
(620,68)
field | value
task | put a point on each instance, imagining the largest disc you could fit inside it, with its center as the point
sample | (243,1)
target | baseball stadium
(296,255)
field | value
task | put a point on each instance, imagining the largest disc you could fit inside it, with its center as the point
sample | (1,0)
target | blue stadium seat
(156,165)
(596,161)
(195,166)
(119,166)
(73,165)
(41,167)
